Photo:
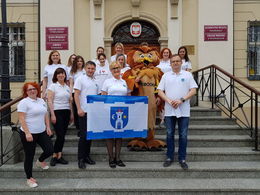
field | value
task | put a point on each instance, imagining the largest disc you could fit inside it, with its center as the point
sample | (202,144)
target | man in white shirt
(176,88)
(84,85)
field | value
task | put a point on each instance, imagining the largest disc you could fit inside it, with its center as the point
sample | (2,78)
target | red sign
(57,38)
(135,29)
(215,32)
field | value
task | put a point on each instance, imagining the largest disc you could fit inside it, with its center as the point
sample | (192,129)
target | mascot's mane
(143,49)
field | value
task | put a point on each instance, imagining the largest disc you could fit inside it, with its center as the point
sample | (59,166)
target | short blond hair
(120,45)
(113,64)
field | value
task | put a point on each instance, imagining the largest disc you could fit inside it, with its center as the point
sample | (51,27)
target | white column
(58,13)
(212,12)
(174,28)
(97,33)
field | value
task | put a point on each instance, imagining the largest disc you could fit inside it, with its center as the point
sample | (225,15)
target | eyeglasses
(31,89)
(115,68)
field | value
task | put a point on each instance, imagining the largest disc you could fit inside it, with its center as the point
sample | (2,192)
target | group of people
(62,101)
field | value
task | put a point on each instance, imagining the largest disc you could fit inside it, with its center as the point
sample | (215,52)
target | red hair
(161,53)
(34,84)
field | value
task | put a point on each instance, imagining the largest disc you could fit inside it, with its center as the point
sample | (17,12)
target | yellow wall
(81,27)
(243,12)
(27,13)
(190,28)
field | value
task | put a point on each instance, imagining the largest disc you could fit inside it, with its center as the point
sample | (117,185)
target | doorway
(149,34)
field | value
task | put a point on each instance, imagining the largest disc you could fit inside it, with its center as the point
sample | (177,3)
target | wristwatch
(182,99)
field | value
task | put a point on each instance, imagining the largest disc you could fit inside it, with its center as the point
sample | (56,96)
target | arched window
(150,33)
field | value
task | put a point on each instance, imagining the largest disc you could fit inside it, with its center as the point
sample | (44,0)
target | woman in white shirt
(59,102)
(165,64)
(120,58)
(119,49)
(70,62)
(102,70)
(35,128)
(115,86)
(76,71)
(54,62)
(186,63)
(99,51)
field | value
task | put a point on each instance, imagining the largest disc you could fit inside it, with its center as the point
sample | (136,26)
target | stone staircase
(220,159)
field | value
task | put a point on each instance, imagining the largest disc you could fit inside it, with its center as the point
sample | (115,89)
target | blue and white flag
(110,116)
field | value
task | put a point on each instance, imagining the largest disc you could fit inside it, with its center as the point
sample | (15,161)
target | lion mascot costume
(142,79)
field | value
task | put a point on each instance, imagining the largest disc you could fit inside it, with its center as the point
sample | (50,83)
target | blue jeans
(183,123)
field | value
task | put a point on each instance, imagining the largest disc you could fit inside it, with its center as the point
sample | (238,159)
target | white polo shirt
(185,65)
(61,96)
(101,74)
(35,111)
(115,86)
(49,72)
(175,87)
(77,75)
(87,86)
(165,66)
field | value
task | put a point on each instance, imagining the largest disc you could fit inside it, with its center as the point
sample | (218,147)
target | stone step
(193,141)
(226,169)
(194,154)
(199,111)
(126,186)
(194,130)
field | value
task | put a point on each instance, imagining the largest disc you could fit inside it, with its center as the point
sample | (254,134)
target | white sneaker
(42,165)
(31,183)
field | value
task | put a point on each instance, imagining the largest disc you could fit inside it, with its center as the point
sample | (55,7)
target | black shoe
(120,163)
(184,165)
(53,161)
(81,164)
(167,163)
(89,161)
(61,160)
(112,163)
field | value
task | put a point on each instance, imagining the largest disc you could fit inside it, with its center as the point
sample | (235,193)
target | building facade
(222,32)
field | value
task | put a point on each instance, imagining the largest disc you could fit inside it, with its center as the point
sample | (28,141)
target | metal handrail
(208,79)
(254,90)
(9,104)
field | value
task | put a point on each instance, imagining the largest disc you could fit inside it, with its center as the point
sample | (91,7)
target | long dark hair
(186,57)
(74,67)
(58,71)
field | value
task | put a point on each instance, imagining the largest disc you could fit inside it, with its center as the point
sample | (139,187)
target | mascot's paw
(155,145)
(137,145)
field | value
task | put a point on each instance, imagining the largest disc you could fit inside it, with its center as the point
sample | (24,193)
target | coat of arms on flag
(116,116)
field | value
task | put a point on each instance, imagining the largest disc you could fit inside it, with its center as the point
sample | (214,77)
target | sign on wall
(135,29)
(215,32)
(57,38)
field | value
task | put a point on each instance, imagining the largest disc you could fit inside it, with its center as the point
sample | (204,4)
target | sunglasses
(115,68)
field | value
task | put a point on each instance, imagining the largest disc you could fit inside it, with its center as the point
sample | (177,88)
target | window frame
(253,50)
(16,38)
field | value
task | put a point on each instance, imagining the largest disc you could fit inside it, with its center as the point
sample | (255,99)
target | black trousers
(29,149)
(75,113)
(84,145)
(61,127)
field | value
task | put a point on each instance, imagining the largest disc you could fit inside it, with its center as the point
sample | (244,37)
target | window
(16,36)
(253,50)
(122,33)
